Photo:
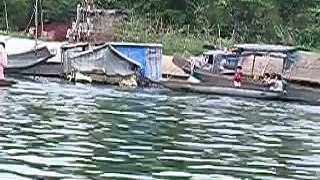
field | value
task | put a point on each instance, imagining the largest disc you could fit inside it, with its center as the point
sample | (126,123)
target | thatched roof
(265,48)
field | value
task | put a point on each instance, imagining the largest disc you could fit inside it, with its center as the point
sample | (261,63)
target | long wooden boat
(30,62)
(296,94)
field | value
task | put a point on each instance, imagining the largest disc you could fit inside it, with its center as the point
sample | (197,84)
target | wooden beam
(253,64)
(6,14)
(284,63)
(36,23)
(41,19)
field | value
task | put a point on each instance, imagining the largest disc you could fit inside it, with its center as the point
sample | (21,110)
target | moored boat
(101,63)
(115,63)
(216,65)
(29,62)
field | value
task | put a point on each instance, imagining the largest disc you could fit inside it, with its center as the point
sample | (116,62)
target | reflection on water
(84,132)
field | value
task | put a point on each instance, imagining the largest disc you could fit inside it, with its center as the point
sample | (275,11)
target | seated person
(266,77)
(276,83)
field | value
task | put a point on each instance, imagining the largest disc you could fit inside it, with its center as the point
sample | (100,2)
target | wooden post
(220,36)
(253,64)
(284,62)
(6,14)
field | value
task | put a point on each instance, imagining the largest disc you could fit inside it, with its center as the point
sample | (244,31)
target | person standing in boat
(238,76)
(3,59)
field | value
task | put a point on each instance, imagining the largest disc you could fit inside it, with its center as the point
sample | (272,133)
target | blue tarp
(150,58)
(232,60)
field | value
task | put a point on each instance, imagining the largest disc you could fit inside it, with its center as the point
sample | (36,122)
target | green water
(64,131)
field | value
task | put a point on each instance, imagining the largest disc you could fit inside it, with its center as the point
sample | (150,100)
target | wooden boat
(223,90)
(30,62)
(298,95)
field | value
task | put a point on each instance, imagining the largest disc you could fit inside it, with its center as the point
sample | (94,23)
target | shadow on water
(63,131)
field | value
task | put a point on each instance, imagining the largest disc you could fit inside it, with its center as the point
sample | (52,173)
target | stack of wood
(94,25)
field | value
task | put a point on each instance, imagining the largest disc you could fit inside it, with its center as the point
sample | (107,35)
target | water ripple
(65,131)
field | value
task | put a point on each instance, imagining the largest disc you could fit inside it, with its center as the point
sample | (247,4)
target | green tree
(271,21)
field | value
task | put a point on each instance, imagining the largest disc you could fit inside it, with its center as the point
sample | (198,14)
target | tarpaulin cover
(150,58)
(102,58)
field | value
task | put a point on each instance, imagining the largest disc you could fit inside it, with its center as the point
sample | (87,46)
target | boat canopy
(216,58)
(266,48)
(285,53)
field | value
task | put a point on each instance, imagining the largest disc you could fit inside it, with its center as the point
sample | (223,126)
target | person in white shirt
(276,84)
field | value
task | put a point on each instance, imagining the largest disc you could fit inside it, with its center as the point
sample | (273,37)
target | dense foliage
(271,21)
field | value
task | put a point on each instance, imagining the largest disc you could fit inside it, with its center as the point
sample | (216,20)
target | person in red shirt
(238,77)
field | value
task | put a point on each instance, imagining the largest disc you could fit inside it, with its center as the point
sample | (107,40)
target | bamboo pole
(36,23)
(41,19)
(253,64)
(6,14)
(220,36)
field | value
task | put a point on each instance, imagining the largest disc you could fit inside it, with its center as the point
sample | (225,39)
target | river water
(63,131)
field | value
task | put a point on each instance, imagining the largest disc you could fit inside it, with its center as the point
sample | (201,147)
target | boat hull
(298,95)
(222,90)
(33,62)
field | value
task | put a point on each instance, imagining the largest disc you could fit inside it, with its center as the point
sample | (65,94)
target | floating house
(114,63)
